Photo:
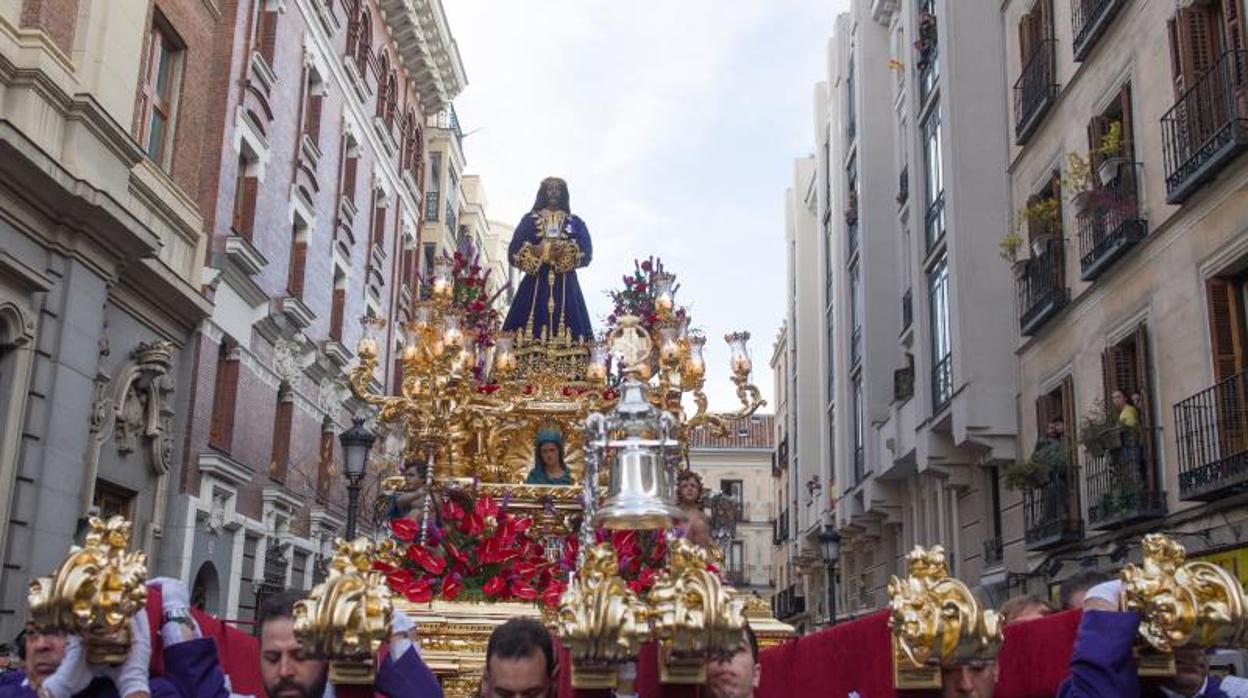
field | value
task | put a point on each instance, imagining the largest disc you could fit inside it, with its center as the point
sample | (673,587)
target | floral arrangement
(470,292)
(637,296)
(480,550)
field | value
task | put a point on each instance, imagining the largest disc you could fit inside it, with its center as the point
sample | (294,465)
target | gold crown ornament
(94,592)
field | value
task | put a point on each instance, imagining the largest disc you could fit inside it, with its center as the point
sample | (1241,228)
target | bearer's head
(42,651)
(970,680)
(736,676)
(285,670)
(519,661)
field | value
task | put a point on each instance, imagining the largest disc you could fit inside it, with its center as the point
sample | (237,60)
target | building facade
(101,254)
(1127,183)
(919,408)
(739,465)
(315,169)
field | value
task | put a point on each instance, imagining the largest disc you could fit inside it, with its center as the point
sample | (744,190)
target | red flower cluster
(637,296)
(471,293)
(481,548)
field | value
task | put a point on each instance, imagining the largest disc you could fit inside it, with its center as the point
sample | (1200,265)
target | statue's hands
(72,676)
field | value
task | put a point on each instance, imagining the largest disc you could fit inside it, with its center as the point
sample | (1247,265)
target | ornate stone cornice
(427,49)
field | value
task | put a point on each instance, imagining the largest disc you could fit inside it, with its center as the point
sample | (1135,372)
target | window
(1117,117)
(942,348)
(313,97)
(360,39)
(733,488)
(282,422)
(736,558)
(377,236)
(413,147)
(160,91)
(110,500)
(325,459)
(927,61)
(1124,366)
(350,161)
(224,396)
(850,106)
(860,430)
(933,177)
(1197,37)
(247,576)
(851,205)
(264,31)
(338,304)
(434,183)
(246,189)
(452,202)
(298,258)
(430,252)
(855,315)
(831,342)
(1227,324)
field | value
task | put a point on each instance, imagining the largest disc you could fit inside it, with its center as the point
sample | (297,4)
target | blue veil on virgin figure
(549,245)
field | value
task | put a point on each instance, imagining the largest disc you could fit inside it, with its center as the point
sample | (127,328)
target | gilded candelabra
(346,618)
(95,592)
(936,621)
(1181,604)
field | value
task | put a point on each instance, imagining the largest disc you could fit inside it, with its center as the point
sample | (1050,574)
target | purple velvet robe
(1102,664)
(409,677)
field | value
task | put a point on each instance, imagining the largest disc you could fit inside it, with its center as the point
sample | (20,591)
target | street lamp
(830,541)
(356,443)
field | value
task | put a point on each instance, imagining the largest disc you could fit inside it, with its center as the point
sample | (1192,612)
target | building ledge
(336,351)
(311,151)
(297,311)
(263,72)
(275,494)
(244,255)
(347,211)
(386,136)
(225,468)
(427,49)
(356,77)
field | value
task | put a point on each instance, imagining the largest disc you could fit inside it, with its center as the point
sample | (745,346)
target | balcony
(1122,486)
(781,534)
(1052,512)
(780,459)
(903,186)
(1207,127)
(1042,290)
(1111,222)
(1036,90)
(994,552)
(855,346)
(787,603)
(431,206)
(907,310)
(903,384)
(1212,440)
(1088,21)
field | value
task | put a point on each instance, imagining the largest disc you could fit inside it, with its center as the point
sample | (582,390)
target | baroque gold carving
(95,592)
(935,621)
(347,617)
(600,620)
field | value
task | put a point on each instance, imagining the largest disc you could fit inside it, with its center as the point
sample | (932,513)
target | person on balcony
(549,467)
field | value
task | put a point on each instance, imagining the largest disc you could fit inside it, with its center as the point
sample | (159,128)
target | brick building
(101,259)
(312,212)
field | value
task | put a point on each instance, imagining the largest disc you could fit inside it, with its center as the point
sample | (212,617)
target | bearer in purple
(1102,664)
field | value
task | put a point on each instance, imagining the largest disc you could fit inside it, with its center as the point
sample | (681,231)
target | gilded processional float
(540,461)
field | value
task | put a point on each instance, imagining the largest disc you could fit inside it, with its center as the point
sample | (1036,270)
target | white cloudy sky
(675,123)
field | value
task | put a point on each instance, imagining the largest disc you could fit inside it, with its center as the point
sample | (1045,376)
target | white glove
(174,596)
(400,622)
(401,627)
(1109,592)
(73,675)
(131,676)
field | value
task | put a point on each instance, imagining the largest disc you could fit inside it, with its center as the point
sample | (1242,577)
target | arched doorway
(206,591)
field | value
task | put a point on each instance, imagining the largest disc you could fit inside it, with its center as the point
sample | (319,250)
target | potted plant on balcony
(1112,159)
(1045,215)
(1078,181)
(1098,429)
(1038,469)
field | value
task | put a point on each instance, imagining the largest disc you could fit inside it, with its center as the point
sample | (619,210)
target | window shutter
(281,433)
(298,263)
(1044,21)
(348,178)
(325,461)
(224,399)
(1108,383)
(1176,54)
(1225,328)
(1195,44)
(268,35)
(1143,380)
(398,375)
(1068,418)
(1044,414)
(335,313)
(312,124)
(1128,140)
(1026,38)
(1096,131)
(379,225)
(245,208)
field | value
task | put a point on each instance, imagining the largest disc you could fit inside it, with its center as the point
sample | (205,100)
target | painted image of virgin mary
(548,465)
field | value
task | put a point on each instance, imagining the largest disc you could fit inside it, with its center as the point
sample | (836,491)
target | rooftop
(757,432)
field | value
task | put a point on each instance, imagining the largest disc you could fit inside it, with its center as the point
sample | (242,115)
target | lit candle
(663,301)
(597,369)
(504,358)
(452,335)
(442,278)
(740,361)
(695,365)
(368,341)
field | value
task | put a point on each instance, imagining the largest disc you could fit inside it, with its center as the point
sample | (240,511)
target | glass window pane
(156,136)
(164,68)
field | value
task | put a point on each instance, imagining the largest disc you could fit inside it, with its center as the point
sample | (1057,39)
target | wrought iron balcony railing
(1088,20)
(1207,126)
(1042,289)
(432,206)
(1036,89)
(994,551)
(1110,222)
(1212,440)
(942,383)
(1052,514)
(1122,480)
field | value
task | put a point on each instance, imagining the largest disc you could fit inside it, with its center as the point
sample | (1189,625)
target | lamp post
(830,541)
(356,443)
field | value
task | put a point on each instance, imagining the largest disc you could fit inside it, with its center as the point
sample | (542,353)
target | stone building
(784,574)
(920,408)
(1128,184)
(739,465)
(101,256)
(314,178)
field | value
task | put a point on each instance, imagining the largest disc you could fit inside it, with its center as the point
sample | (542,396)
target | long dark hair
(539,202)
